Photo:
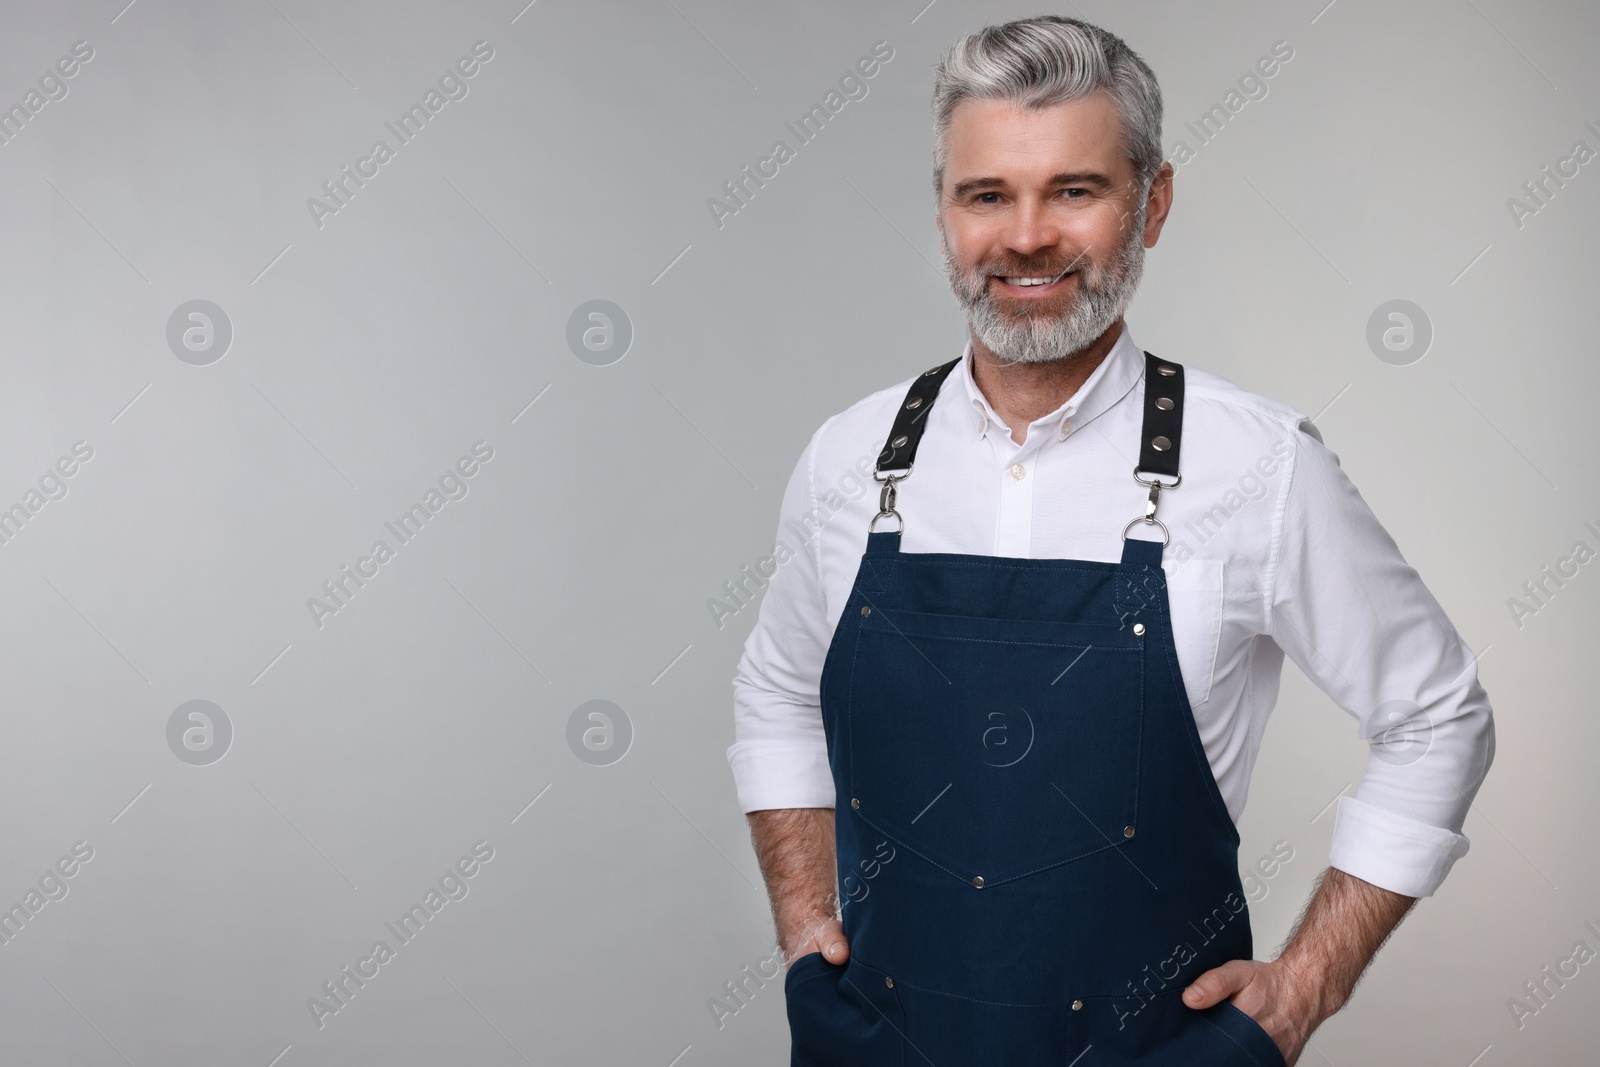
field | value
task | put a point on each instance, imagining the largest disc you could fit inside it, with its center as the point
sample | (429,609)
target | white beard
(1102,298)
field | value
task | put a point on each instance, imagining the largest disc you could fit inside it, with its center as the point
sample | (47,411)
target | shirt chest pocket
(1194,590)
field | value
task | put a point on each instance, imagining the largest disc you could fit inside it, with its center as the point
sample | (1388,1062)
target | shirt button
(1018,471)
(1077,1005)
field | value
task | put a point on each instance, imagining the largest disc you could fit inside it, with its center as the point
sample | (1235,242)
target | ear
(1160,204)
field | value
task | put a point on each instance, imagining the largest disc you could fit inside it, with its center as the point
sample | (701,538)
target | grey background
(369,354)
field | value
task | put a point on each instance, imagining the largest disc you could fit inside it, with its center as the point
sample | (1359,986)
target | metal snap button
(888,981)
(855,802)
(1165,371)
(1163,403)
(914,403)
(1138,628)
(977,881)
(1127,831)
(899,442)
(1160,444)
(865,611)
(1077,1005)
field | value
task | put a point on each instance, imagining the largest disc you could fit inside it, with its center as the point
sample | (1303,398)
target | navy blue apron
(1034,858)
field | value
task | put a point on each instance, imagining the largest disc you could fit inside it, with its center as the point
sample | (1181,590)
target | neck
(1023,392)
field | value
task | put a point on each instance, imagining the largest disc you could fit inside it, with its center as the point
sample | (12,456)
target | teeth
(1035,281)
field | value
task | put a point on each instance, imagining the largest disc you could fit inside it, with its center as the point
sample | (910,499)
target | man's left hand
(1287,1008)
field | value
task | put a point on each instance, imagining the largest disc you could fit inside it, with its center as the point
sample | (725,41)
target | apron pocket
(842,1015)
(1164,1032)
(995,748)
(1248,1034)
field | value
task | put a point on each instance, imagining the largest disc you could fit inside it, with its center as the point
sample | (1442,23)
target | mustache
(1028,271)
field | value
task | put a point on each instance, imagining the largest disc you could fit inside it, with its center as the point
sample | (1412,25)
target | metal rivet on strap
(900,442)
(1160,444)
(1138,629)
(1077,1005)
(888,981)
(865,611)
(855,802)
(914,403)
(1164,403)
(1165,371)
(977,881)
(934,370)
(1127,831)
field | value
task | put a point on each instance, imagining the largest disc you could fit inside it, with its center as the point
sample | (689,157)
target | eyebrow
(1081,177)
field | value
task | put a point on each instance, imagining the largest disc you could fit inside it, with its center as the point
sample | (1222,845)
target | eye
(980,198)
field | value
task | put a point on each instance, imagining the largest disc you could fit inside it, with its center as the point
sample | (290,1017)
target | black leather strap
(1160,438)
(1162,433)
(910,421)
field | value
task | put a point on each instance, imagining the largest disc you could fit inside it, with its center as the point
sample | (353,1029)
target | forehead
(998,138)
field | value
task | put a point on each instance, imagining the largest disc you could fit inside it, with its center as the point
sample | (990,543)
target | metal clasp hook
(1149,516)
(886,501)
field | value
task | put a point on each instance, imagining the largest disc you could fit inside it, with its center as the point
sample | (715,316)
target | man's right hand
(796,851)
(821,935)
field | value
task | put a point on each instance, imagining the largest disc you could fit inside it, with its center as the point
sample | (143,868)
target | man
(996,721)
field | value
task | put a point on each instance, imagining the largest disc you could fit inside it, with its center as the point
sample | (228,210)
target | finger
(815,931)
(1217,984)
(835,949)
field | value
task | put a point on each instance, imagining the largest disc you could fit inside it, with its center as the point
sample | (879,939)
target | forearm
(1341,929)
(795,848)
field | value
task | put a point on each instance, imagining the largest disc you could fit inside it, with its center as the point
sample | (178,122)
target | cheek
(1103,225)
(975,242)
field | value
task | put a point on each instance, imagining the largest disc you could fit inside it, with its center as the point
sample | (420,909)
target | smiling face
(1042,226)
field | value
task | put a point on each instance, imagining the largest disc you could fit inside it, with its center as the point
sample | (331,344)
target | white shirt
(1273,551)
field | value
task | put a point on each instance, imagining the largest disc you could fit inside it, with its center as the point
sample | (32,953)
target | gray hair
(1047,60)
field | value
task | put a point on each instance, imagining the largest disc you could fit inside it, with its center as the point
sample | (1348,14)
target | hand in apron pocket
(1249,1036)
(842,1015)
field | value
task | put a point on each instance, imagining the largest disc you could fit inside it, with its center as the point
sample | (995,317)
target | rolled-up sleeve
(1357,619)
(779,756)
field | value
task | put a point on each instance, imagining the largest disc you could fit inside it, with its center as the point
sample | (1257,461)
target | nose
(1031,229)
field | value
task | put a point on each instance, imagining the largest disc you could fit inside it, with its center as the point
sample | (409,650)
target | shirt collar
(1119,372)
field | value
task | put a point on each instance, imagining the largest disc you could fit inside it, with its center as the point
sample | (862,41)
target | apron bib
(1034,858)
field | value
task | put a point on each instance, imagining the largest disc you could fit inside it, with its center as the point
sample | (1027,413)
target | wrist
(1316,993)
(801,929)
